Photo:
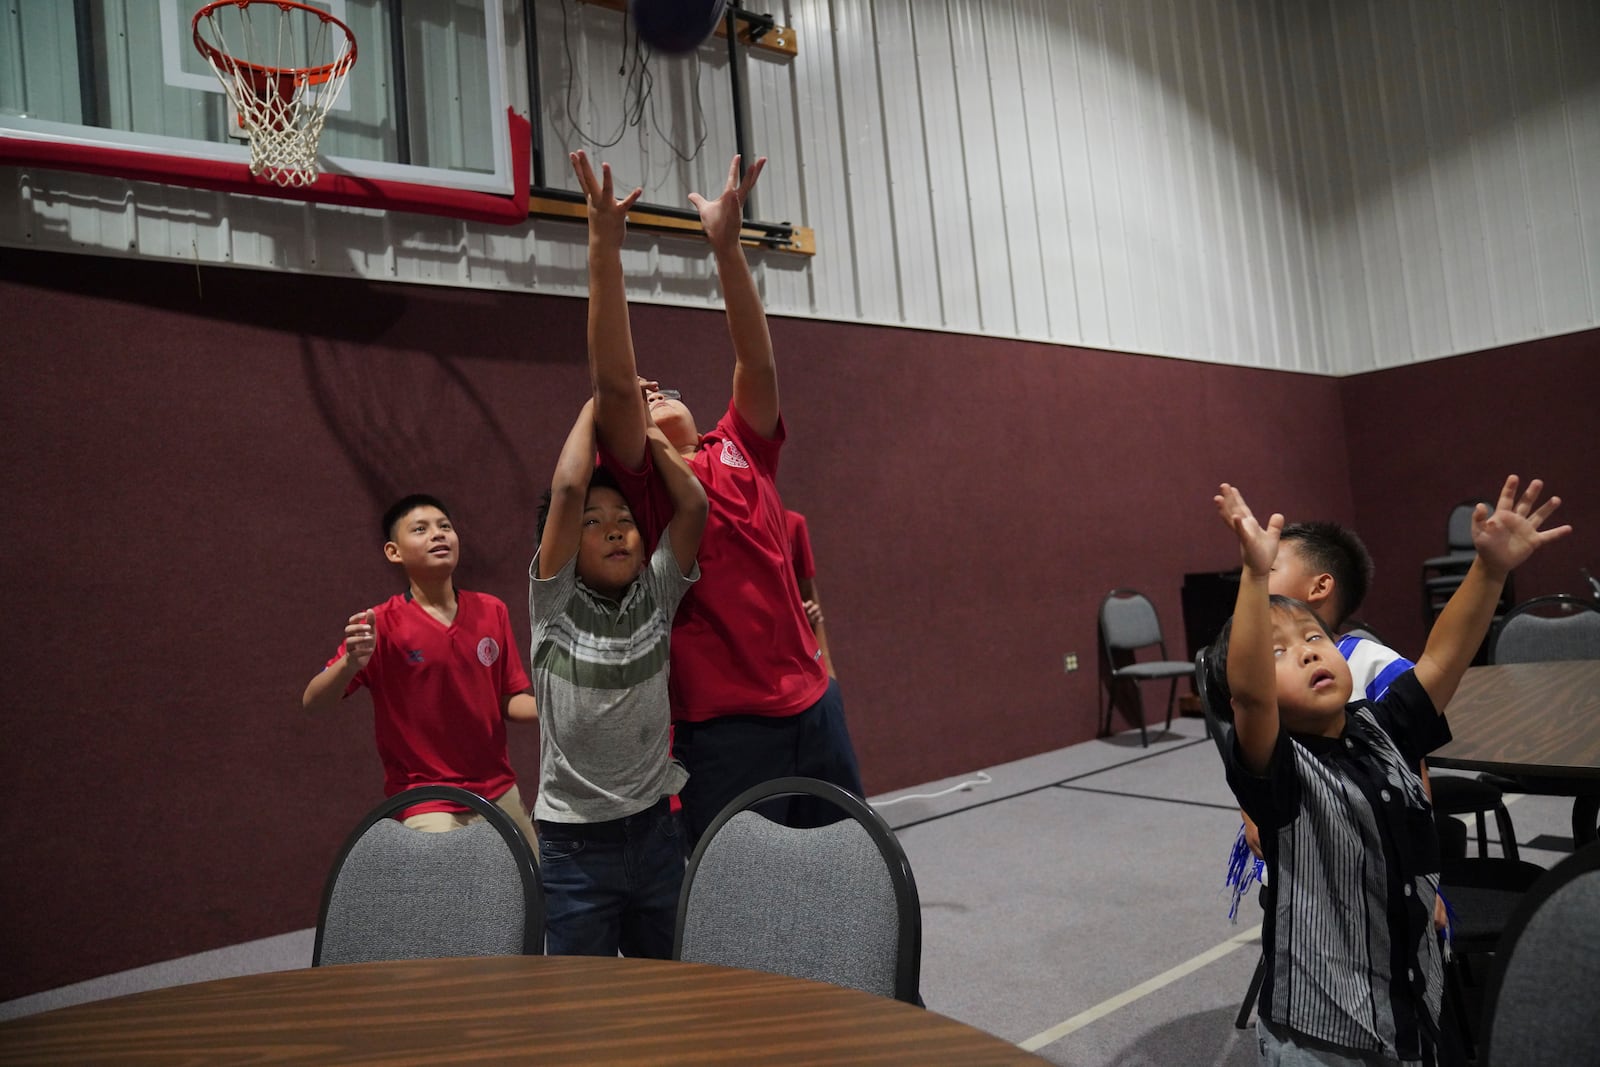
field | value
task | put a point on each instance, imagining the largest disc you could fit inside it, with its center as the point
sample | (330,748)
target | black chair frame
(1112,670)
(1585,801)
(1220,727)
(521,851)
(908,946)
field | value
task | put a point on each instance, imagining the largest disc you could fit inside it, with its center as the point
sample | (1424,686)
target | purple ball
(676,26)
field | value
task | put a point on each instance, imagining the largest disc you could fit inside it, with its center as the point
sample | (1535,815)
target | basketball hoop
(282,78)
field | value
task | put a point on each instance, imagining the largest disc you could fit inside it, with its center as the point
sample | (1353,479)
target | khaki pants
(510,802)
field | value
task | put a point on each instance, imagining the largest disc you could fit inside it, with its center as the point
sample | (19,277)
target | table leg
(1585,814)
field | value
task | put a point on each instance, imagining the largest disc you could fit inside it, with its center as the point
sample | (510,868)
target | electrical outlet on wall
(1069,662)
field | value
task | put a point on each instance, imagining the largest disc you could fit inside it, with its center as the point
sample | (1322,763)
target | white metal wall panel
(1507,218)
(1096,96)
(1076,152)
(1036,45)
(869,209)
(821,151)
(1467,149)
(1547,166)
(906,170)
(1579,32)
(1318,185)
(1150,228)
(980,201)
(938,126)
(1452,164)
(773,83)
(1015,90)
(1401,81)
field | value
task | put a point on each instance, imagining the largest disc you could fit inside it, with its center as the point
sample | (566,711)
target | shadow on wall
(414,422)
(1446,75)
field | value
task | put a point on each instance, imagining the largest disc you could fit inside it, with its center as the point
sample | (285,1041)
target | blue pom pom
(1244,870)
(1449,933)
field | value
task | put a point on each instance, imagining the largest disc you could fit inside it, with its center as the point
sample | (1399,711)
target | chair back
(1218,713)
(396,893)
(1128,622)
(1358,628)
(1458,533)
(1540,1002)
(835,903)
(1557,627)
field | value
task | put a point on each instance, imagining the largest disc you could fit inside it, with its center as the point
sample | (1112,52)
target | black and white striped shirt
(1347,832)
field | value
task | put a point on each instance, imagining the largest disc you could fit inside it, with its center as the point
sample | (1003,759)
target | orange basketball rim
(283,65)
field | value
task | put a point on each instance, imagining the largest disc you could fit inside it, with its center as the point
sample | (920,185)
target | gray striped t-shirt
(600,677)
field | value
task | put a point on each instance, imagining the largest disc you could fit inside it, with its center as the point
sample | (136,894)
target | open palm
(724,217)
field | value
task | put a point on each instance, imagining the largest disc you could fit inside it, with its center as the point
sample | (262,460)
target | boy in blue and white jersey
(1326,566)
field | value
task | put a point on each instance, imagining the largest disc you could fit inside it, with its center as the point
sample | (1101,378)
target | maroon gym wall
(195,462)
(1422,438)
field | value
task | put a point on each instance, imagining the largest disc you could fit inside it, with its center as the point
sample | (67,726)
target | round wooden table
(1535,722)
(503,1009)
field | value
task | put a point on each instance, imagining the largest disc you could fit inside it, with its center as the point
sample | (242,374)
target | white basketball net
(282,78)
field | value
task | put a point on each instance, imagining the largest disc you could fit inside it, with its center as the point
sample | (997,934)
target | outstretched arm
(619,409)
(1504,539)
(569,487)
(360,639)
(755,374)
(688,499)
(1251,673)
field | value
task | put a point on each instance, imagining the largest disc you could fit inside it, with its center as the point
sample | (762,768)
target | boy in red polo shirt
(444,672)
(748,687)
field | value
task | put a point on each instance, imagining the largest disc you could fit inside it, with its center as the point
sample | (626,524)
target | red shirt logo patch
(733,457)
(488,651)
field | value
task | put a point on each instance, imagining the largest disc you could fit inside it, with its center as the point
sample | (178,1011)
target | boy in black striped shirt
(1353,967)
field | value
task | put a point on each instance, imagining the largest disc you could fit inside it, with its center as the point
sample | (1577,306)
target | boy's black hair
(600,479)
(1217,661)
(404,506)
(1330,548)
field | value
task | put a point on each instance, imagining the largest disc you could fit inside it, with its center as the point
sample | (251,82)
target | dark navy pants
(612,886)
(728,755)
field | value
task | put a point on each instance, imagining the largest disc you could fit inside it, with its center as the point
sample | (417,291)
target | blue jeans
(1282,1047)
(727,755)
(612,887)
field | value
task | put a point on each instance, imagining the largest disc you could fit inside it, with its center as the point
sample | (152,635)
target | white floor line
(1143,989)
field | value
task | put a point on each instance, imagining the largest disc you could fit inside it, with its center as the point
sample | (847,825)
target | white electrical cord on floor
(982,779)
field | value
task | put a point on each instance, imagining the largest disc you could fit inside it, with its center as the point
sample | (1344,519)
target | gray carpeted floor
(1072,904)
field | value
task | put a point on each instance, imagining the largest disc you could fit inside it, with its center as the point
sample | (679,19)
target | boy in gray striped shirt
(1353,965)
(610,856)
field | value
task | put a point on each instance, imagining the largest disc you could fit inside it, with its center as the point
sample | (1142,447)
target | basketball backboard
(425,104)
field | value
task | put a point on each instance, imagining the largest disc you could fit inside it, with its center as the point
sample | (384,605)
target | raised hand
(1258,545)
(724,216)
(361,637)
(646,387)
(1510,534)
(608,216)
